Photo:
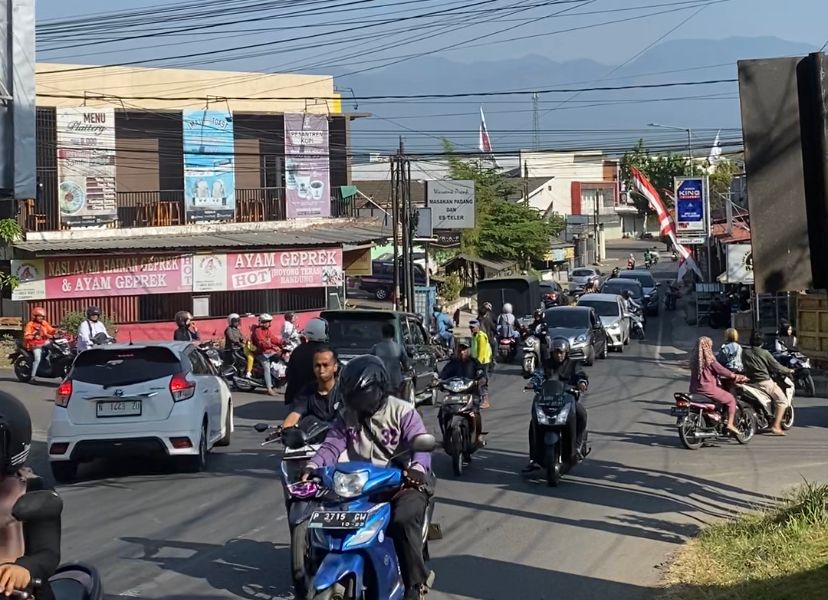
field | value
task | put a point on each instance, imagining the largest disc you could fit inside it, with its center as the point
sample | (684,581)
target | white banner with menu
(86,166)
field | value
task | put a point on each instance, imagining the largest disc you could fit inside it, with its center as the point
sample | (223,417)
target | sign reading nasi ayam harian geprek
(451,203)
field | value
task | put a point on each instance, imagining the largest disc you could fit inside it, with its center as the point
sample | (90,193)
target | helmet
(181,317)
(316,330)
(38,311)
(507,308)
(363,386)
(560,344)
(289,316)
(438,308)
(626,294)
(487,305)
(538,313)
(15,433)
(233,318)
(265,318)
(93,311)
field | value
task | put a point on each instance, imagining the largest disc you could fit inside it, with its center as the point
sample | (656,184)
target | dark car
(649,286)
(381,282)
(582,327)
(548,287)
(354,332)
(618,285)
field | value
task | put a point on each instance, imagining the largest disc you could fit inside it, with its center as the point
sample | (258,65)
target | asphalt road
(221,534)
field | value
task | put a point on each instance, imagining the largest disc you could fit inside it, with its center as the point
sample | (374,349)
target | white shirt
(289,333)
(87,330)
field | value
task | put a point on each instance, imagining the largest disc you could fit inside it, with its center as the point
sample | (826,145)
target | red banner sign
(285,269)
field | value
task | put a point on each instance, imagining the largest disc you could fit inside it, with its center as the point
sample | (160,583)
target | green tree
(10,232)
(721,179)
(660,169)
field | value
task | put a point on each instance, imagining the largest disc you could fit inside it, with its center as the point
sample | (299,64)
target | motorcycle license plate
(336,519)
(679,412)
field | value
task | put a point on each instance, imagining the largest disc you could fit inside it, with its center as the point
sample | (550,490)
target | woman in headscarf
(705,372)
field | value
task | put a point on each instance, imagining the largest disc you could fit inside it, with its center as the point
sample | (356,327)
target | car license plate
(121,408)
(336,519)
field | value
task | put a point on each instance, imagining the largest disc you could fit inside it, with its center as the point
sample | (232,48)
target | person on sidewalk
(705,372)
(481,351)
(394,357)
(759,364)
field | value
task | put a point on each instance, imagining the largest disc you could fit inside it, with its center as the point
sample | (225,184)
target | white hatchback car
(610,309)
(162,399)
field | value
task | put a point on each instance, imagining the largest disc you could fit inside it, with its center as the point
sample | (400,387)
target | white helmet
(233,317)
(316,330)
(507,308)
(265,318)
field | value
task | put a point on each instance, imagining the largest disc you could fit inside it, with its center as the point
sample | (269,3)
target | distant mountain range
(703,108)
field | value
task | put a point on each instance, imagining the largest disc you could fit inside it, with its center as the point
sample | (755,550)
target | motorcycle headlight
(581,339)
(457,385)
(531,341)
(349,485)
(563,415)
(541,416)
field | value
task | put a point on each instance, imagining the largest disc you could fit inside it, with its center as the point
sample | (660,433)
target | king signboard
(691,205)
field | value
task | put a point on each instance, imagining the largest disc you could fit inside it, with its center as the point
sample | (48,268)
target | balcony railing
(166,207)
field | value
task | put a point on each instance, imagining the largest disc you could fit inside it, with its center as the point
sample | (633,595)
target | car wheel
(590,357)
(228,426)
(626,341)
(381,294)
(64,471)
(198,462)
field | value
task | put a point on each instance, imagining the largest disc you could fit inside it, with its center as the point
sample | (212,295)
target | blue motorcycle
(355,559)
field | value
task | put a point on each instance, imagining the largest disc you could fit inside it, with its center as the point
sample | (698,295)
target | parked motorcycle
(58,356)
(457,416)
(73,581)
(350,546)
(801,364)
(506,349)
(554,426)
(301,444)
(698,419)
(763,404)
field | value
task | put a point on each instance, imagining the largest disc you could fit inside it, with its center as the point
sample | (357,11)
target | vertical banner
(307,166)
(209,166)
(691,204)
(86,166)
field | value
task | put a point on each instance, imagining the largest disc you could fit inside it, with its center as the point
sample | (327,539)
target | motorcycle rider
(36,336)
(506,323)
(759,364)
(615,273)
(481,351)
(268,346)
(558,365)
(374,427)
(186,331)
(631,262)
(317,398)
(290,335)
(29,550)
(90,328)
(300,366)
(464,366)
(786,336)
(730,354)
(444,325)
(705,372)
(395,357)
(233,337)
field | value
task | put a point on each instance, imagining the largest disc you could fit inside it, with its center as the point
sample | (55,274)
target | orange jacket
(36,334)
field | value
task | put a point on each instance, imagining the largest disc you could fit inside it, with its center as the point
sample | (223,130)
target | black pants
(580,428)
(407,518)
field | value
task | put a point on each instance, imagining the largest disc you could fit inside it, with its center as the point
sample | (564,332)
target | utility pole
(536,121)
(395,219)
(526,182)
(409,216)
(596,242)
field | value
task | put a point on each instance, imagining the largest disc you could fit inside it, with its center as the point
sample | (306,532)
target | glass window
(200,365)
(604,308)
(417,336)
(567,318)
(110,368)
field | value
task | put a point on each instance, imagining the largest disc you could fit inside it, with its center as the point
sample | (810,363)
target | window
(417,336)
(200,365)
(356,331)
(567,318)
(109,368)
(604,308)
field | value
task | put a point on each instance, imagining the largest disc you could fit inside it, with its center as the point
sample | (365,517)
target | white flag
(715,151)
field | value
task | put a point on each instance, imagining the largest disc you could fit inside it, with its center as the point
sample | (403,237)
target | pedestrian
(394,357)
(481,351)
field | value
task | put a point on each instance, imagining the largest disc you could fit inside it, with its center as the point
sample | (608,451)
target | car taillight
(64,392)
(181,388)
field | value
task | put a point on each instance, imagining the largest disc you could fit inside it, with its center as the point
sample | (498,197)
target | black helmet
(363,386)
(438,308)
(538,313)
(93,311)
(626,294)
(15,433)
(181,318)
(561,344)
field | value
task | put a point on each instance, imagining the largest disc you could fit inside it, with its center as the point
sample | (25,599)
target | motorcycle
(674,256)
(531,354)
(349,541)
(210,350)
(506,349)
(637,323)
(278,370)
(301,444)
(58,356)
(763,404)
(670,298)
(554,427)
(457,416)
(72,581)
(801,364)
(698,419)
(441,350)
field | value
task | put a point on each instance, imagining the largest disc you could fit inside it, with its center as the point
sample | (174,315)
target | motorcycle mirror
(261,427)
(39,505)
(424,443)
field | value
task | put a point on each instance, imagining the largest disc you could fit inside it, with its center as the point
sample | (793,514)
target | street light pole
(689,141)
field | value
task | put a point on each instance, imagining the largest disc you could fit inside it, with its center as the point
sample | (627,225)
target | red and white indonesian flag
(485,142)
(666,223)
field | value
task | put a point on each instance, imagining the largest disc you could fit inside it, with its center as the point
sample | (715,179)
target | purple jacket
(396,425)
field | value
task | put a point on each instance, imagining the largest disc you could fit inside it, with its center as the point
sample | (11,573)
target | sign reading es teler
(451,203)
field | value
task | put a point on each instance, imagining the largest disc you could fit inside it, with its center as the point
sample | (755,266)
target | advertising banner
(86,166)
(209,166)
(84,276)
(739,263)
(451,203)
(31,279)
(209,272)
(321,267)
(691,205)
(307,166)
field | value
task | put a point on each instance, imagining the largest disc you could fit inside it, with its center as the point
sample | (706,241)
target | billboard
(739,263)
(691,205)
(86,166)
(209,166)
(451,203)
(307,166)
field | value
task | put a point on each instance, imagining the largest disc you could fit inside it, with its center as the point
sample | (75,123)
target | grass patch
(777,554)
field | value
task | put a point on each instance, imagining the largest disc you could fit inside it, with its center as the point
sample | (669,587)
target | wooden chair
(32,221)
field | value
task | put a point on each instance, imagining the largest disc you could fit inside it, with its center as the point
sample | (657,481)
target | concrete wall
(562,168)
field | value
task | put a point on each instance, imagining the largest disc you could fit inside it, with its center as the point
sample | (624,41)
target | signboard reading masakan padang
(451,203)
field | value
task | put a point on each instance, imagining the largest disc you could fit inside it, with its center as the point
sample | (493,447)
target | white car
(610,309)
(158,398)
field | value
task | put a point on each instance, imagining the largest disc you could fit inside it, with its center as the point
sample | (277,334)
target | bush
(452,287)
(71,322)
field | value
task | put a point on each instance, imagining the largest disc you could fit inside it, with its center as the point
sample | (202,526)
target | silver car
(579,277)
(610,309)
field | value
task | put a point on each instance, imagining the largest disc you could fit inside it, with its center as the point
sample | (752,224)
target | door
(420,356)
(208,388)
(598,333)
